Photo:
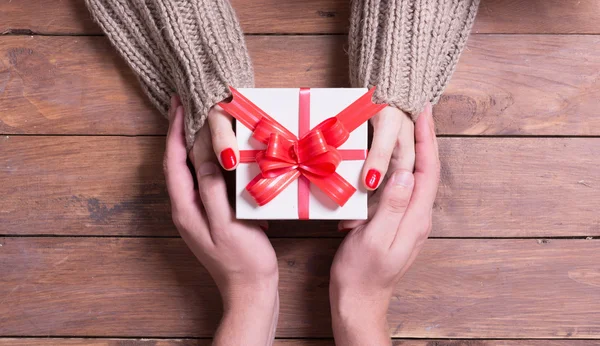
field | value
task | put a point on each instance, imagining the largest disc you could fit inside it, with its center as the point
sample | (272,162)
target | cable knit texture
(407,48)
(194,48)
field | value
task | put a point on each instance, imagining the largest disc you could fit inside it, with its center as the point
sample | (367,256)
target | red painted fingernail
(228,158)
(372,178)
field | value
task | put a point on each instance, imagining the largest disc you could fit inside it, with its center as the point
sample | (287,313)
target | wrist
(353,326)
(349,304)
(250,316)
(362,315)
(256,296)
(359,319)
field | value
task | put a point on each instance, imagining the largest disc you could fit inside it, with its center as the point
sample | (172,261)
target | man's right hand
(375,255)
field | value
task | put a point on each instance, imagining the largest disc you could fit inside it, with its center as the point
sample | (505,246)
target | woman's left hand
(401,157)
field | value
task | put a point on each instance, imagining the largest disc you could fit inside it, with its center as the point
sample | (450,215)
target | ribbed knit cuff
(407,48)
(194,48)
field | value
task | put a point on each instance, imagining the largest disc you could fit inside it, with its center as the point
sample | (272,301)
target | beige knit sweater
(407,48)
(195,48)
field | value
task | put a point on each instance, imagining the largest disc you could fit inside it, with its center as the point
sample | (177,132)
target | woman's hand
(238,255)
(393,140)
(375,255)
(403,158)
(393,146)
(224,143)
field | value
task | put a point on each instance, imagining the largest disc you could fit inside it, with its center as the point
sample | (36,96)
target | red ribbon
(313,158)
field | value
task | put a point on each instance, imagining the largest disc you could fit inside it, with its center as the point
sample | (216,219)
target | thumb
(213,193)
(180,183)
(394,200)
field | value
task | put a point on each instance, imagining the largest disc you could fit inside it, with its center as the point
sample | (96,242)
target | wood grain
(68,17)
(538,17)
(459,289)
(145,342)
(72,85)
(524,85)
(64,17)
(543,85)
(155,288)
(490,187)
(283,342)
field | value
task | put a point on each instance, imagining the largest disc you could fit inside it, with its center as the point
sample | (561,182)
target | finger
(395,199)
(202,150)
(386,126)
(427,165)
(404,154)
(417,222)
(223,138)
(180,182)
(213,193)
(186,211)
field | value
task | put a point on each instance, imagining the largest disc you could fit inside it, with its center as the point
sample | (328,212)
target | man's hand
(238,255)
(375,255)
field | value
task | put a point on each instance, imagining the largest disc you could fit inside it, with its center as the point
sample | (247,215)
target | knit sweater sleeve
(194,48)
(408,49)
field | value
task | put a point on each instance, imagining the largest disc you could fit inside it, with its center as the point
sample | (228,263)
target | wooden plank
(77,183)
(538,16)
(457,288)
(491,187)
(283,342)
(524,85)
(64,17)
(67,17)
(145,342)
(543,85)
(72,85)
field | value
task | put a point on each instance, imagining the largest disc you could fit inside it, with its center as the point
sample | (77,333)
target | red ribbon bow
(314,156)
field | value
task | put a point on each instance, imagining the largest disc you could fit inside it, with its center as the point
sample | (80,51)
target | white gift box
(283,106)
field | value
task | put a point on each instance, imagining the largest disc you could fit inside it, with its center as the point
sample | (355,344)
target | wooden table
(89,255)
